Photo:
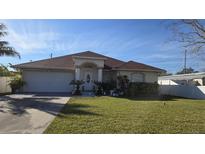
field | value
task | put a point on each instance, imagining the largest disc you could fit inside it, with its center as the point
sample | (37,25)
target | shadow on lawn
(152,98)
(18,106)
(76,109)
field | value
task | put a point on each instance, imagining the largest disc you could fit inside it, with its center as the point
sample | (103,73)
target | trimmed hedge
(136,88)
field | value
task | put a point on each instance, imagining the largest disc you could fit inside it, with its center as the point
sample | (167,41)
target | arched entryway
(88,75)
(88,72)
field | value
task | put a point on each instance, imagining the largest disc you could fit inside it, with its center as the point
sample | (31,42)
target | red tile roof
(64,62)
(67,63)
(132,65)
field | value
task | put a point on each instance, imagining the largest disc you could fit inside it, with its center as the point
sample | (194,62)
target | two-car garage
(47,81)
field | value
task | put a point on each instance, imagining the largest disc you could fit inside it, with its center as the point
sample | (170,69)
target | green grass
(121,115)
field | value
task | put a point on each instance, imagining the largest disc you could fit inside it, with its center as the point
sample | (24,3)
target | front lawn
(121,115)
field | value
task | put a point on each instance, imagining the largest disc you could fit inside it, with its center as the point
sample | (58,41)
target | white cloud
(171,46)
(27,40)
(30,41)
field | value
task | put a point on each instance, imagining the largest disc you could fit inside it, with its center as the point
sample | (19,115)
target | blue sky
(139,40)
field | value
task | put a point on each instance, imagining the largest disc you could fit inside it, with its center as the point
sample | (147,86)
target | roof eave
(43,68)
(145,70)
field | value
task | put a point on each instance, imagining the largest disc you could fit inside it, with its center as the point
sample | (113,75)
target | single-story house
(55,74)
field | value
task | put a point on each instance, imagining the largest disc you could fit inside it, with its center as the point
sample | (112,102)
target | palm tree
(5,49)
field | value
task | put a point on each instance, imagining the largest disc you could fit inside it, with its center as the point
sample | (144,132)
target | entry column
(100,74)
(77,73)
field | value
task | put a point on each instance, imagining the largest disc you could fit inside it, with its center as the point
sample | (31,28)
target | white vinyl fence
(187,91)
(4,87)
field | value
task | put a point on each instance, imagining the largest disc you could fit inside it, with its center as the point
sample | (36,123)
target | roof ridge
(132,61)
(142,64)
(99,55)
(42,60)
(92,53)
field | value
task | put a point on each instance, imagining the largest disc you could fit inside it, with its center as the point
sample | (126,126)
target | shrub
(16,83)
(99,85)
(107,86)
(104,87)
(136,88)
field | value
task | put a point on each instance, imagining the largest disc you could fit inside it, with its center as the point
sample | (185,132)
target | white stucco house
(55,74)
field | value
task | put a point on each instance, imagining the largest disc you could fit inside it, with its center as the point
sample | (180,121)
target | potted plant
(77,84)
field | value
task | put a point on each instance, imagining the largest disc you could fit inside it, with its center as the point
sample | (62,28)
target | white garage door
(44,81)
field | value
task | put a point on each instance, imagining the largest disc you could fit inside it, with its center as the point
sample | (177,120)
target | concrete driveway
(29,113)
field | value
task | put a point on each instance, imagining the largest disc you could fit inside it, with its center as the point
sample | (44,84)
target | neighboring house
(55,74)
(183,85)
(197,79)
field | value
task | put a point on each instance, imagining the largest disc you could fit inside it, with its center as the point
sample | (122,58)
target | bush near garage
(16,83)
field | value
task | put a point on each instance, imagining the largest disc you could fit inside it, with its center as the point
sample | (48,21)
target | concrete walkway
(29,113)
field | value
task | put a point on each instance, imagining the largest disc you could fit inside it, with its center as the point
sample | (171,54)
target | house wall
(4,87)
(149,77)
(109,75)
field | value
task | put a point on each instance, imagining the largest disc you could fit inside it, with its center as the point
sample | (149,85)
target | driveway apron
(29,113)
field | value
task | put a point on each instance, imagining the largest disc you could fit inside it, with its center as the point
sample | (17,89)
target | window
(137,77)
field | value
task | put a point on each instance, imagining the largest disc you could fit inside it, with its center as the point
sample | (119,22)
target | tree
(5,49)
(4,71)
(187,71)
(189,32)
(123,83)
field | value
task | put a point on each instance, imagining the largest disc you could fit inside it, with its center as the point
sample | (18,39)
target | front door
(88,79)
